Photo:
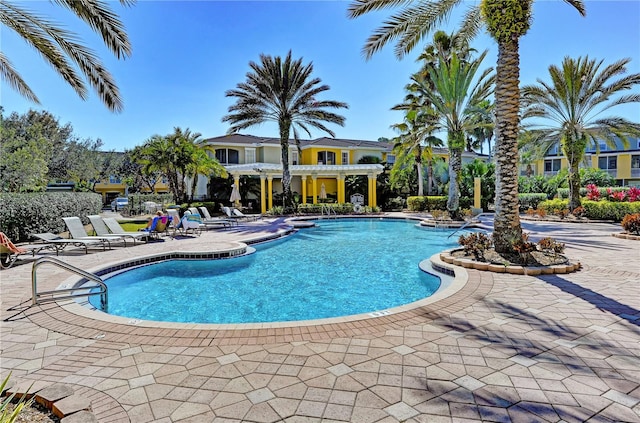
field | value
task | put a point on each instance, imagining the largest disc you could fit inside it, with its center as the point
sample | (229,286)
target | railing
(467,223)
(46,296)
(328,209)
(635,172)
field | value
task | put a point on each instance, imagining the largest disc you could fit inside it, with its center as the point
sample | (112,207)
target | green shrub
(339,208)
(531,200)
(631,223)
(275,211)
(555,206)
(416,204)
(609,210)
(24,214)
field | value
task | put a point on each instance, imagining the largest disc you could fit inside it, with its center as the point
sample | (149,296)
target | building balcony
(635,172)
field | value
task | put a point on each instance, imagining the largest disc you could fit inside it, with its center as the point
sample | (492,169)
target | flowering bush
(633,194)
(631,223)
(616,195)
(593,193)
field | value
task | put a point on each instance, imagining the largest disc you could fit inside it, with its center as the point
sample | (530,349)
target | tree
(454,97)
(62,49)
(284,92)
(416,141)
(37,149)
(506,21)
(569,109)
(177,156)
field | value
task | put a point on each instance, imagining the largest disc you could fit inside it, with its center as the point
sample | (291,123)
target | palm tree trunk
(507,229)
(429,177)
(574,146)
(287,197)
(419,168)
(455,165)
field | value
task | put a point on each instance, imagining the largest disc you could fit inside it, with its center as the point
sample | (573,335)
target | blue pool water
(340,267)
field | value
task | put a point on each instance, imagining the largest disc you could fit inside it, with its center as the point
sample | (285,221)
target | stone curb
(515,270)
(624,235)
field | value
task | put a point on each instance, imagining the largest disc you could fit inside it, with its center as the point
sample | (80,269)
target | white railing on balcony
(635,172)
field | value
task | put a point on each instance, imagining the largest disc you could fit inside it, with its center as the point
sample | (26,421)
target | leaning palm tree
(61,49)
(415,139)
(506,21)
(569,110)
(284,92)
(454,96)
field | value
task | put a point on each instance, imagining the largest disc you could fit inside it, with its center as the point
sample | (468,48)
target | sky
(187,54)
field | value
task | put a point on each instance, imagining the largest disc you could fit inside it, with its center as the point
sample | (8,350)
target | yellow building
(323,162)
(621,163)
(320,162)
(115,187)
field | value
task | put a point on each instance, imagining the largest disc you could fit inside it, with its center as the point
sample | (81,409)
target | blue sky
(186,54)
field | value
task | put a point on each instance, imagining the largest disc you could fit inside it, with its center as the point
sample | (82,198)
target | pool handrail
(37,296)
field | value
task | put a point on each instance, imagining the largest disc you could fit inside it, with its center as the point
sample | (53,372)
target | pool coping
(69,316)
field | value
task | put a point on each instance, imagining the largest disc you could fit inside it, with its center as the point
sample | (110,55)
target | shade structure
(235,195)
(323,192)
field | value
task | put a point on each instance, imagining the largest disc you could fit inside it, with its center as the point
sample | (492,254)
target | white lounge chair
(77,231)
(241,215)
(101,229)
(213,221)
(58,243)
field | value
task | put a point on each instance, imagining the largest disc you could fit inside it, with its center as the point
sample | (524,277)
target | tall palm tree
(506,21)
(62,50)
(484,125)
(282,91)
(454,96)
(569,110)
(416,140)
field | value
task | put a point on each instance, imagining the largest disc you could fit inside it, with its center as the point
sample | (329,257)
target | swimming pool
(340,267)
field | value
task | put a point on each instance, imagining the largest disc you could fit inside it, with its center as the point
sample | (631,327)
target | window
(250,155)
(635,166)
(114,179)
(608,162)
(294,158)
(227,156)
(391,159)
(326,157)
(345,157)
(552,165)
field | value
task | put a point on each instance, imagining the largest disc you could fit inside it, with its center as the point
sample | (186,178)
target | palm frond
(15,81)
(99,16)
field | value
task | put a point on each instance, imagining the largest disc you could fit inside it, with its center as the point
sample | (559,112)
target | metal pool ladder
(47,296)
(328,209)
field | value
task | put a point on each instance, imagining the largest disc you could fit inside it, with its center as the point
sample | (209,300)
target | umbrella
(235,194)
(323,192)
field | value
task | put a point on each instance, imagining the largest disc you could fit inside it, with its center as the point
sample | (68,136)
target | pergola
(270,171)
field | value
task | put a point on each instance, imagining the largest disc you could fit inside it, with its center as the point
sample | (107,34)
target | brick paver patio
(503,348)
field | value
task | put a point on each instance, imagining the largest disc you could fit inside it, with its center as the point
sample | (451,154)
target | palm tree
(157,157)
(202,163)
(453,97)
(484,126)
(415,140)
(506,21)
(61,49)
(284,92)
(571,109)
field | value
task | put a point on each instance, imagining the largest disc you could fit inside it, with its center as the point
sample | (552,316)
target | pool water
(341,267)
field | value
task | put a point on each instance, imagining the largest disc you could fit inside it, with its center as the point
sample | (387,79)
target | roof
(249,140)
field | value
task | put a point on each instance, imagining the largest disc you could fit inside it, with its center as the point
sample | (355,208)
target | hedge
(596,210)
(429,203)
(531,200)
(24,214)
(339,208)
